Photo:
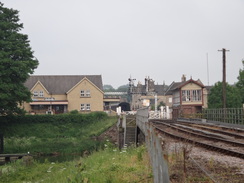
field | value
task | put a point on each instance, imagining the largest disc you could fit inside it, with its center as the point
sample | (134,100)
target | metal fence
(227,115)
(154,146)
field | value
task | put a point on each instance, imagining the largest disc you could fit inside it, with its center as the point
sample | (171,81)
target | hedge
(56,119)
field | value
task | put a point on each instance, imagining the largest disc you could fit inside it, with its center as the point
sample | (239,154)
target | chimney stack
(183,78)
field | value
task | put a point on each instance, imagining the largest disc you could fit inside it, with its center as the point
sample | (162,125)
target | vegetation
(108,165)
(16,62)
(234,93)
(48,134)
(240,83)
(233,97)
(109,88)
(158,106)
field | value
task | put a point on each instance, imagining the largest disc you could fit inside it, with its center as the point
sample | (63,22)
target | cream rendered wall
(26,106)
(192,86)
(95,99)
(39,87)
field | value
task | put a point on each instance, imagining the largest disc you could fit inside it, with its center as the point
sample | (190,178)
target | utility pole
(224,78)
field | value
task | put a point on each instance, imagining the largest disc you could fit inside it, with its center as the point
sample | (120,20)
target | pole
(156,102)
(224,78)
(207,70)
(224,84)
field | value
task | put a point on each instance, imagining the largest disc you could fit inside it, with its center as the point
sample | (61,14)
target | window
(85,93)
(170,100)
(196,95)
(191,95)
(82,107)
(41,94)
(88,107)
(82,93)
(85,107)
(186,95)
(35,93)
(88,94)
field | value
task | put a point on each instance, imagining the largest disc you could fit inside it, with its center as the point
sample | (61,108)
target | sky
(119,39)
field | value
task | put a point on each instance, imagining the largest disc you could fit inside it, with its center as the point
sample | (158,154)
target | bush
(74,112)
(61,118)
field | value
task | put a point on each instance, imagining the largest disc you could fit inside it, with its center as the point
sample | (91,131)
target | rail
(191,138)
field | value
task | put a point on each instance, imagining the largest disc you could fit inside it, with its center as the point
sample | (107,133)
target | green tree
(240,83)
(233,97)
(108,88)
(16,62)
(123,88)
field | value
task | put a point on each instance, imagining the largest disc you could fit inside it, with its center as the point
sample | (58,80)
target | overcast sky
(162,39)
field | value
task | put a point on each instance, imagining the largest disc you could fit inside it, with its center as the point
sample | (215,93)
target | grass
(104,166)
(102,163)
(46,138)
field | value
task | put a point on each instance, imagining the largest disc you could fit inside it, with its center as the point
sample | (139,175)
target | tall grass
(104,166)
(52,137)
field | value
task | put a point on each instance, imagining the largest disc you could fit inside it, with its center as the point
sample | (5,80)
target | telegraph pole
(224,78)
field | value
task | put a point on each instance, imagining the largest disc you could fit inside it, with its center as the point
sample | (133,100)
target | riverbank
(96,158)
(52,138)
(104,166)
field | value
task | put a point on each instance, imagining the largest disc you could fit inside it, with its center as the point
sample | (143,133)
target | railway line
(226,140)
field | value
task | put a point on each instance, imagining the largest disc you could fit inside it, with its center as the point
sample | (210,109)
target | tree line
(234,93)
(17,62)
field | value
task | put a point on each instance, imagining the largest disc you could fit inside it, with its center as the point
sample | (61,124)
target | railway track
(224,140)
(235,132)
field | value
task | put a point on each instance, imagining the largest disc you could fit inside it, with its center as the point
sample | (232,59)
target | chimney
(183,78)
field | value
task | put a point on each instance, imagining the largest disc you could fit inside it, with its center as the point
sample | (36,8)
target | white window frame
(88,93)
(196,95)
(82,93)
(85,93)
(88,107)
(186,95)
(82,107)
(35,93)
(41,94)
(85,107)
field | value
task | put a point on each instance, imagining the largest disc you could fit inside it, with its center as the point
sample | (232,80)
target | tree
(233,96)
(240,83)
(16,62)
(108,88)
(123,88)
